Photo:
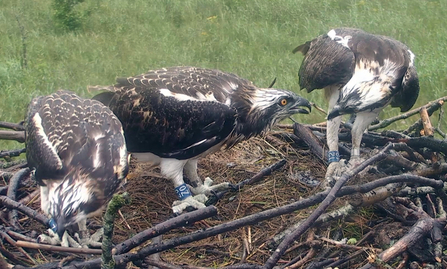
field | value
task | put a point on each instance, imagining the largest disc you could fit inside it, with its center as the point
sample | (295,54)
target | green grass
(251,38)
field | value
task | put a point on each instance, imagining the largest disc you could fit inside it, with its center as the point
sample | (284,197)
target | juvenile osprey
(76,147)
(173,116)
(361,73)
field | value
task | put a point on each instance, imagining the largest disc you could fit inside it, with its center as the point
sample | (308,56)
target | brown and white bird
(173,116)
(77,149)
(361,73)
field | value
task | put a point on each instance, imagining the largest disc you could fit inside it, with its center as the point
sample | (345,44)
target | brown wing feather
(325,63)
(188,80)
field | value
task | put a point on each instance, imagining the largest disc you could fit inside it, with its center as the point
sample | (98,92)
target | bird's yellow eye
(283,102)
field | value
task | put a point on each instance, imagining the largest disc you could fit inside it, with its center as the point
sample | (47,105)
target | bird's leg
(84,238)
(336,167)
(361,123)
(173,169)
(207,186)
(44,199)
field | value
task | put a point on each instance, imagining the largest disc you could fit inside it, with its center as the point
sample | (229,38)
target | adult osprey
(361,74)
(173,116)
(76,147)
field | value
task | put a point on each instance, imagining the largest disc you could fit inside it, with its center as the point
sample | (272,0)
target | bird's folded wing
(326,63)
(169,127)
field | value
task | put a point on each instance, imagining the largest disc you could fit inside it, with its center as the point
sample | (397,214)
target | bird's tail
(303,48)
(104,97)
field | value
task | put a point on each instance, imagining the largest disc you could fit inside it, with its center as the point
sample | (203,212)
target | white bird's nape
(339,39)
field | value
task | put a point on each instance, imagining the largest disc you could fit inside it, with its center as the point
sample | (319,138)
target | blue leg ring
(183,191)
(52,224)
(333,156)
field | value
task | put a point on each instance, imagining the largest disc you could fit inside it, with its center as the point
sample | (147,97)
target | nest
(280,217)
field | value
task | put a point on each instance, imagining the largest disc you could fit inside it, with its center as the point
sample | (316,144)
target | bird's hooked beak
(300,105)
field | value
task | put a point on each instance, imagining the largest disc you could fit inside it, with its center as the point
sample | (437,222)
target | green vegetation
(252,38)
(66,16)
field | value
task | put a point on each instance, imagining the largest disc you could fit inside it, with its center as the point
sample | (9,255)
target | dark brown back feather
(68,133)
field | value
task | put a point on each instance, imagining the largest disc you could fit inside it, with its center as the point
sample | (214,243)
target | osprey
(77,150)
(173,116)
(361,74)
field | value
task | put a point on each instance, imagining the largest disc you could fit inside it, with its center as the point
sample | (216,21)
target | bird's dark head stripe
(262,108)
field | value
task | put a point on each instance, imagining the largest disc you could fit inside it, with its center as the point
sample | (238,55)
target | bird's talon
(233,187)
(195,202)
(208,182)
(86,240)
(212,200)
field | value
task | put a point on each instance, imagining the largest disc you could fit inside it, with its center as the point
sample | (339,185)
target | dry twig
(431,107)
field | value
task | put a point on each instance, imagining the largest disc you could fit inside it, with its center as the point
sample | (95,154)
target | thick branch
(416,233)
(12,153)
(427,142)
(18,136)
(13,126)
(249,181)
(311,140)
(12,189)
(426,123)
(164,227)
(414,142)
(7,202)
(263,173)
(58,248)
(418,124)
(436,184)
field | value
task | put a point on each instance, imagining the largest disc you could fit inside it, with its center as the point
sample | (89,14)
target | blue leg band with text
(182,191)
(333,156)
(53,225)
